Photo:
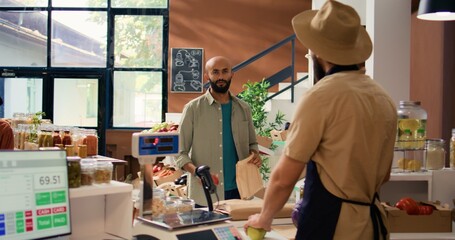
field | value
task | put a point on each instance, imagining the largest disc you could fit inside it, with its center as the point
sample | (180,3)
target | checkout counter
(204,224)
(208,224)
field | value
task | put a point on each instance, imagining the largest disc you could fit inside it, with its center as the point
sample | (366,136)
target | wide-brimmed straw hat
(334,33)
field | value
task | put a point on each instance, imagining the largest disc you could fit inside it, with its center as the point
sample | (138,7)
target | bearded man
(216,130)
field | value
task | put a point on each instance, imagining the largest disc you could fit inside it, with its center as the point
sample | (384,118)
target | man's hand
(256,222)
(256,159)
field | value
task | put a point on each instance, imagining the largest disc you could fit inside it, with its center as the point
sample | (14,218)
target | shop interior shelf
(411,176)
(100,189)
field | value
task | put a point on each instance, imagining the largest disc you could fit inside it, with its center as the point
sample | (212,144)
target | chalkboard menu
(186,70)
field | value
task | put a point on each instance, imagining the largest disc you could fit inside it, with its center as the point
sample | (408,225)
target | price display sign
(34,201)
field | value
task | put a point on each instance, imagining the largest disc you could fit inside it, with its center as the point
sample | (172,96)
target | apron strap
(375,215)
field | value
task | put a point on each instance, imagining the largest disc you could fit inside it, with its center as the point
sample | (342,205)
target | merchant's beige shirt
(201,138)
(346,123)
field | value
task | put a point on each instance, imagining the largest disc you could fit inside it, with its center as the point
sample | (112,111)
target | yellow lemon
(255,234)
(414,165)
(403,163)
(411,124)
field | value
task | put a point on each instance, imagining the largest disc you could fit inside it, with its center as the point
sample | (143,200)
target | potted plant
(255,94)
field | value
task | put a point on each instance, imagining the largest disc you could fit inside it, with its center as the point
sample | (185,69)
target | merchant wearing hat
(343,133)
(6,133)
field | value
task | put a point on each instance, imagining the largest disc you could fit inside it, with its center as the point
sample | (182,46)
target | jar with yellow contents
(411,125)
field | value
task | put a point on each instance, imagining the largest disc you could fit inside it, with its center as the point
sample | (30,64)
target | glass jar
(103,172)
(82,151)
(412,121)
(87,171)
(69,150)
(74,171)
(171,207)
(91,140)
(185,205)
(158,205)
(435,154)
(452,150)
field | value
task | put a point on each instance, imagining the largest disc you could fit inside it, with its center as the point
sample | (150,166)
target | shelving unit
(102,211)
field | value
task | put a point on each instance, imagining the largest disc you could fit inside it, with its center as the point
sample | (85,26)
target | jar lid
(88,161)
(408,103)
(435,140)
(73,159)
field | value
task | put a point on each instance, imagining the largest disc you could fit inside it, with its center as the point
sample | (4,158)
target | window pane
(139,3)
(23,38)
(22,95)
(79,3)
(79,39)
(138,41)
(137,99)
(24,3)
(76,102)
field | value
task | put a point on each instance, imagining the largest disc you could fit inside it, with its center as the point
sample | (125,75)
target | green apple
(255,233)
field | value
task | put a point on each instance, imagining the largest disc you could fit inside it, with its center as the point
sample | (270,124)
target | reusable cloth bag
(248,178)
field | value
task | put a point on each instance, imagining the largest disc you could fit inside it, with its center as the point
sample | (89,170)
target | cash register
(195,224)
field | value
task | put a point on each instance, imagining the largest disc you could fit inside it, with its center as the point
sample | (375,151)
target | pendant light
(437,10)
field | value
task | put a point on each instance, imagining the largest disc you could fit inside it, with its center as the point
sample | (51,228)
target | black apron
(319,210)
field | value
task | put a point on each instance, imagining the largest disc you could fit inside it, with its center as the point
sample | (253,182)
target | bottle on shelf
(56,139)
(66,140)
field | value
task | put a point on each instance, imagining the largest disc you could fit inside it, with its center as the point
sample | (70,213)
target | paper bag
(248,178)
(242,209)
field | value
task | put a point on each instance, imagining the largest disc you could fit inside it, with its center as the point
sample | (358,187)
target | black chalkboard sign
(186,70)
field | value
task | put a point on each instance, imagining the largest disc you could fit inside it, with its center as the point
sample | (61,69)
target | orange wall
(238,29)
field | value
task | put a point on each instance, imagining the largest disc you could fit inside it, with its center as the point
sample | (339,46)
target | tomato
(409,205)
(425,210)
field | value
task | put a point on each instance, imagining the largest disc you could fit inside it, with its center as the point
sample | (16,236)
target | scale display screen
(34,201)
(158,145)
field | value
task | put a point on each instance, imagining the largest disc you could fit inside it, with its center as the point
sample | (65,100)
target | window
(85,63)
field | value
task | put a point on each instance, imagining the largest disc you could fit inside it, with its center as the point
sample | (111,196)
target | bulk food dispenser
(411,136)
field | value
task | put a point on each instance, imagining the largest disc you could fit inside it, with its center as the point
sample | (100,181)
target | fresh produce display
(409,205)
(157,167)
(164,172)
(413,207)
(425,210)
(163,127)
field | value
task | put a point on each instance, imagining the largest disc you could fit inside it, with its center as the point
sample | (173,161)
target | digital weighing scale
(197,224)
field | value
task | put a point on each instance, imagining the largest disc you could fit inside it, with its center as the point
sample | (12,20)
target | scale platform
(198,224)
(187,219)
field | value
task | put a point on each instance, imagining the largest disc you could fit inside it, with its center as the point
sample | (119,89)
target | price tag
(49,180)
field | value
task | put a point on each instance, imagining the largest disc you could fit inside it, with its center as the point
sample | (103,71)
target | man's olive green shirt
(201,139)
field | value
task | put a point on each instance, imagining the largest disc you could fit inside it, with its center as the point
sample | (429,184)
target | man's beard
(216,88)
(318,72)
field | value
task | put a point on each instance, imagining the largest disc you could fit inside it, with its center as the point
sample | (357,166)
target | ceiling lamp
(436,10)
